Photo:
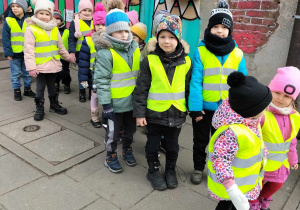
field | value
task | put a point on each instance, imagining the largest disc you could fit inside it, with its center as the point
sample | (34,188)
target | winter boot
(17,94)
(55,105)
(67,89)
(112,162)
(28,92)
(170,174)
(39,113)
(264,203)
(196,177)
(82,96)
(95,120)
(156,179)
(128,156)
(254,205)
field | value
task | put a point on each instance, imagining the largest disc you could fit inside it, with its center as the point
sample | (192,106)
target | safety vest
(247,166)
(65,38)
(123,78)
(16,34)
(215,87)
(46,48)
(85,30)
(91,45)
(277,147)
(162,95)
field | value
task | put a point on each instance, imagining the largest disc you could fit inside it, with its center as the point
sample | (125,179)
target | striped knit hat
(116,20)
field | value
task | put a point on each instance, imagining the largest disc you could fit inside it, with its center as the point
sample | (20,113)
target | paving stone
(15,130)
(291,181)
(279,200)
(59,193)
(123,190)
(15,173)
(60,146)
(186,137)
(101,204)
(77,115)
(5,85)
(179,198)
(3,151)
(293,201)
(99,131)
(9,110)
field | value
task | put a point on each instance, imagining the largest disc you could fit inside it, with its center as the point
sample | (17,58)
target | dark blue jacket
(84,72)
(6,36)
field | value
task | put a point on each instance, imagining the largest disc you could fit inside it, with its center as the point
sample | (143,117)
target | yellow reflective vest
(162,95)
(215,87)
(85,30)
(46,48)
(91,45)
(16,34)
(65,38)
(277,147)
(123,78)
(247,166)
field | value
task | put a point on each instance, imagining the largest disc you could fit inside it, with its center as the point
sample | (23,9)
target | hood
(224,115)
(151,46)
(100,41)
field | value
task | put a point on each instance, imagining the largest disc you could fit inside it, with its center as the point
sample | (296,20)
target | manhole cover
(31,128)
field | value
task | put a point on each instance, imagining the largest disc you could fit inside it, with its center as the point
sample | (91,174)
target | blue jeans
(18,70)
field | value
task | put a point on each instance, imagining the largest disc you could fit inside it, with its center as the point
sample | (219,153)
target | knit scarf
(46,26)
(217,45)
(284,110)
(77,24)
(171,56)
(126,44)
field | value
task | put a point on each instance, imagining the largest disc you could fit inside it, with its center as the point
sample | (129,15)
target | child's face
(58,21)
(257,116)
(99,27)
(220,30)
(122,35)
(43,15)
(86,12)
(281,100)
(17,10)
(167,42)
(137,39)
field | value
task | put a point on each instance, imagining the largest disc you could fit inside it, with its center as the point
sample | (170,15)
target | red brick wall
(254,22)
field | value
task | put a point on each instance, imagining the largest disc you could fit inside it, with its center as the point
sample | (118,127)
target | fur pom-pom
(99,7)
(235,79)
(114,4)
(223,4)
(33,2)
(78,34)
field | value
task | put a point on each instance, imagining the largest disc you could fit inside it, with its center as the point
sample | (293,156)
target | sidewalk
(60,165)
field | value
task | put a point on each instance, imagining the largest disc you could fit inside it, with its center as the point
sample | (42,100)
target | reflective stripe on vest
(91,45)
(65,38)
(46,48)
(85,30)
(247,166)
(16,34)
(215,75)
(277,147)
(162,95)
(123,78)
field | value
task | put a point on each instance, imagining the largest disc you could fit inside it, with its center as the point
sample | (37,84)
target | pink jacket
(285,126)
(51,66)
(226,146)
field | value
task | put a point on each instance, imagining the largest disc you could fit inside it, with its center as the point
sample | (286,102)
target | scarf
(46,26)
(126,44)
(284,110)
(218,46)
(172,56)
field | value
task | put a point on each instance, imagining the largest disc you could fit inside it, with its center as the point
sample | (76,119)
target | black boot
(28,92)
(170,174)
(156,179)
(82,97)
(17,94)
(55,105)
(39,113)
(67,89)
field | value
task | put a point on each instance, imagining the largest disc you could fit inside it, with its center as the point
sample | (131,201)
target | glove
(195,114)
(238,199)
(108,112)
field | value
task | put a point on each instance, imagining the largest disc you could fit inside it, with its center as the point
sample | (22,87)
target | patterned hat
(171,23)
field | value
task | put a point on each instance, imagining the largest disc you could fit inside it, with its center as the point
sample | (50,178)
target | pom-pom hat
(140,29)
(133,17)
(43,5)
(85,4)
(99,15)
(116,20)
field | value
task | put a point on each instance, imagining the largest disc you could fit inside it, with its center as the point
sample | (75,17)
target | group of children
(253,127)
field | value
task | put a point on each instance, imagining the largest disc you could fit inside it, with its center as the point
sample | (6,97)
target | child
(160,99)
(280,126)
(79,28)
(13,45)
(139,33)
(116,69)
(87,59)
(236,150)
(43,48)
(216,57)
(63,75)
(133,17)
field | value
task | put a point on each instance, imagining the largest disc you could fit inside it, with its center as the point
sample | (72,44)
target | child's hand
(295,167)
(84,84)
(72,58)
(141,121)
(9,58)
(33,73)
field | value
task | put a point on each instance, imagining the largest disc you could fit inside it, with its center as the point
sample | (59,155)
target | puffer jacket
(171,117)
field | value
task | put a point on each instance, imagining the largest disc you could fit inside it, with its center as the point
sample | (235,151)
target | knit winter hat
(57,15)
(247,96)
(116,20)
(221,15)
(43,5)
(287,80)
(21,3)
(133,17)
(85,4)
(157,16)
(99,15)
(140,29)
(171,23)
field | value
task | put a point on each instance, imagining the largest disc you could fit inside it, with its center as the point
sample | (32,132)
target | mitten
(238,199)
(108,112)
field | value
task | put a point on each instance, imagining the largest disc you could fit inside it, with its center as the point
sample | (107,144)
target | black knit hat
(247,96)
(221,15)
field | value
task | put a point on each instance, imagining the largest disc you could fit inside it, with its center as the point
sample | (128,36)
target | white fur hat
(43,5)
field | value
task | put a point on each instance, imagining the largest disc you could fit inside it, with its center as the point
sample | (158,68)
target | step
(2,57)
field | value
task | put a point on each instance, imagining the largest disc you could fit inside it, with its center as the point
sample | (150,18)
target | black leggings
(225,205)
(45,79)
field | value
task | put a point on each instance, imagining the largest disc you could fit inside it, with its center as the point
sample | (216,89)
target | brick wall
(254,22)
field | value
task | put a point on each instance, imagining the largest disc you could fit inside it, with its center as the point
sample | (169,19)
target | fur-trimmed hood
(100,41)
(151,46)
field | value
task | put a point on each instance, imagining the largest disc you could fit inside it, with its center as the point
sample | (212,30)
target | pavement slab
(77,115)
(293,201)
(186,137)
(58,192)
(3,151)
(100,204)
(9,110)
